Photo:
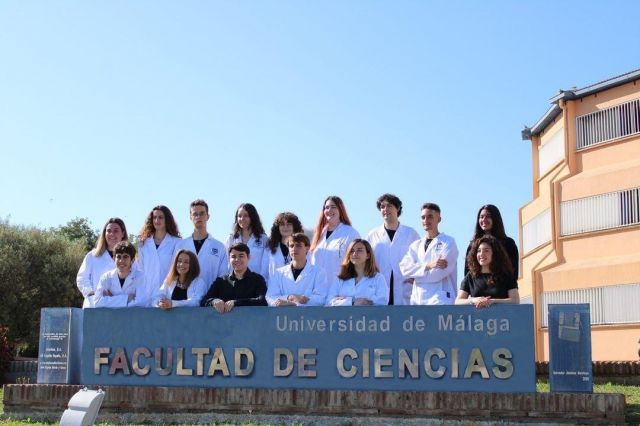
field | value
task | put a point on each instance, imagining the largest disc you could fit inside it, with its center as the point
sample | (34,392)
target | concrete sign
(434,348)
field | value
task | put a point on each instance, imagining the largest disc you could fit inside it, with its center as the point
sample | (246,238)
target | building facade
(580,234)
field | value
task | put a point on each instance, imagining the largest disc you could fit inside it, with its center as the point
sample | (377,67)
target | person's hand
(218,305)
(438,263)
(410,281)
(282,302)
(131,297)
(91,294)
(300,299)
(482,302)
(165,303)
(106,293)
(228,306)
(361,301)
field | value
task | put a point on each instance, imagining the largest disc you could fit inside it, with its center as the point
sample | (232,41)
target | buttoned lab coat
(312,282)
(329,252)
(135,283)
(212,258)
(372,288)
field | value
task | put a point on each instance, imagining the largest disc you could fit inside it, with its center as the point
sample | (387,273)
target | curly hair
(500,266)
(148,229)
(275,238)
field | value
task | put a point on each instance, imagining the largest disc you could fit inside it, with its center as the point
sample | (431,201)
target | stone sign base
(194,405)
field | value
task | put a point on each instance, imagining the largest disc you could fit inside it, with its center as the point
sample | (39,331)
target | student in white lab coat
(432,262)
(182,286)
(247,229)
(124,286)
(332,236)
(300,283)
(158,238)
(100,259)
(390,242)
(211,253)
(277,255)
(359,282)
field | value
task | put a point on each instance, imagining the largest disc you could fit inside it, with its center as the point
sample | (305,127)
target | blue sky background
(109,108)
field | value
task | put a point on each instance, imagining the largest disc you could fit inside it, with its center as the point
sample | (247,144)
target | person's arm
(108,300)
(319,289)
(450,255)
(159,294)
(83,279)
(381,296)
(260,290)
(274,291)
(513,298)
(410,265)
(213,293)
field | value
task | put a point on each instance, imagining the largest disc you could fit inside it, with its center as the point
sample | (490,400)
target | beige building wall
(590,259)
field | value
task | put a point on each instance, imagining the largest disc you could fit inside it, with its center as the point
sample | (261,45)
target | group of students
(392,266)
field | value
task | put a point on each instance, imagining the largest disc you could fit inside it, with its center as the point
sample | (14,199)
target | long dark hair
(194,268)
(497,228)
(256,224)
(500,266)
(275,238)
(170,223)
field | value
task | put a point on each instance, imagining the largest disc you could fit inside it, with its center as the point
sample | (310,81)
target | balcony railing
(600,212)
(615,304)
(608,124)
(551,152)
(537,231)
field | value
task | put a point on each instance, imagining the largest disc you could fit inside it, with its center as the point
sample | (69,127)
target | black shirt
(285,253)
(198,244)
(248,291)
(391,233)
(296,272)
(480,287)
(179,293)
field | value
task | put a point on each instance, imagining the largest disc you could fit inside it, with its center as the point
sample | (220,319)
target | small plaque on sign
(570,348)
(60,342)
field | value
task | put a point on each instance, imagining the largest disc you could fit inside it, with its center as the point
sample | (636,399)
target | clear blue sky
(109,108)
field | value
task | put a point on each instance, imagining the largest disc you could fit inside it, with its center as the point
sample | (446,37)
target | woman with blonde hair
(359,282)
(332,236)
(100,259)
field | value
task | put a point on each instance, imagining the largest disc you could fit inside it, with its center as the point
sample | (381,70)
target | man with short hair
(390,242)
(300,283)
(432,262)
(211,253)
(241,287)
(124,286)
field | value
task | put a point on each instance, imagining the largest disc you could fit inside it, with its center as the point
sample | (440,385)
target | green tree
(37,270)
(79,229)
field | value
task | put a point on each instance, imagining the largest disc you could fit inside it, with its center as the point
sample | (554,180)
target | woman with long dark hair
(247,229)
(100,259)
(158,238)
(359,282)
(333,234)
(277,255)
(490,279)
(489,222)
(182,285)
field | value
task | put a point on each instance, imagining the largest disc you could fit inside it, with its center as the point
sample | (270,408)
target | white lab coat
(195,293)
(388,256)
(212,258)
(156,262)
(135,284)
(329,252)
(372,288)
(272,261)
(89,275)
(435,286)
(258,249)
(312,282)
